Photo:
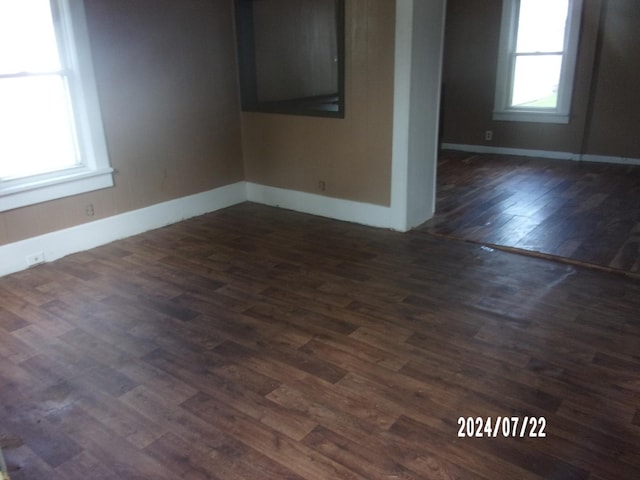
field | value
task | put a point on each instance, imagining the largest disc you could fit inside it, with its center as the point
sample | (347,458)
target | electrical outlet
(322,186)
(35,259)
(488,135)
(89,210)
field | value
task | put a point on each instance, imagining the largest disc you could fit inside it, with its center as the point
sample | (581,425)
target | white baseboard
(339,209)
(541,153)
(607,159)
(510,151)
(55,245)
(64,242)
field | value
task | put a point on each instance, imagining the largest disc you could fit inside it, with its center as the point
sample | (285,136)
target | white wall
(418,73)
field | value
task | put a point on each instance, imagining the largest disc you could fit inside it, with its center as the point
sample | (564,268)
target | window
(51,137)
(537,59)
(291,56)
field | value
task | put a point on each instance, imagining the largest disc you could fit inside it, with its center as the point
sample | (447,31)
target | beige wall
(167,85)
(605,109)
(351,155)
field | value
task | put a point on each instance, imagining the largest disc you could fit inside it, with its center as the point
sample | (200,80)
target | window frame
(506,68)
(94,170)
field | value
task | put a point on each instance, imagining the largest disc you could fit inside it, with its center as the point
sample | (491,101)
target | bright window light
(537,58)
(27,37)
(52,141)
(37,132)
(535,81)
(36,125)
(538,55)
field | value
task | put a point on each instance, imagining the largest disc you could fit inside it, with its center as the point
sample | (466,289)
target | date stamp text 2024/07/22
(507,427)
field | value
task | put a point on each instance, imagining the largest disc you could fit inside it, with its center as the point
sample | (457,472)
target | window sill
(43,188)
(528,116)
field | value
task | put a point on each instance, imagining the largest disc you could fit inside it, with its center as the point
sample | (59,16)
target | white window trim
(560,114)
(95,171)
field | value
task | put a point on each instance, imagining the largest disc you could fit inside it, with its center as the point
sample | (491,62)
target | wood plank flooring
(585,212)
(257,343)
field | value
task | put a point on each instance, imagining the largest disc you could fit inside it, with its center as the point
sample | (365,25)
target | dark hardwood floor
(257,343)
(585,212)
